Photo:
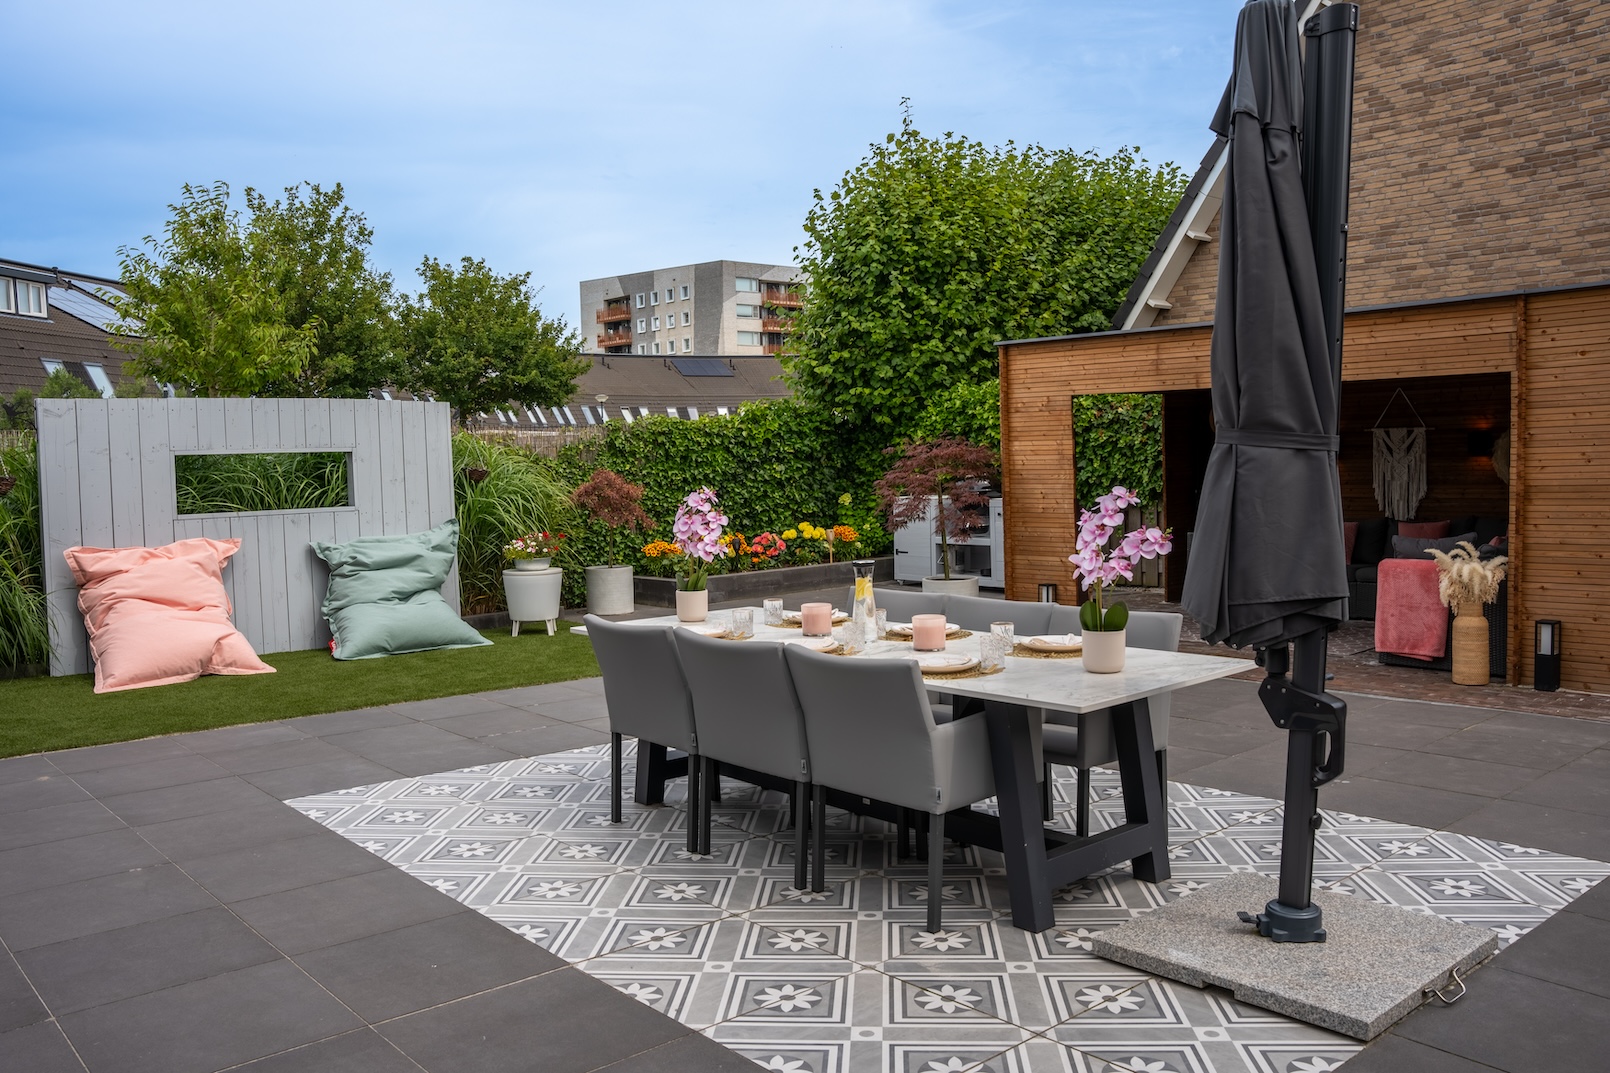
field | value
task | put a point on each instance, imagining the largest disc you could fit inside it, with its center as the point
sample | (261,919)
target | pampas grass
(1464,579)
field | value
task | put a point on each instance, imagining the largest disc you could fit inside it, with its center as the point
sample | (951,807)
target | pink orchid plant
(1097,566)
(698,529)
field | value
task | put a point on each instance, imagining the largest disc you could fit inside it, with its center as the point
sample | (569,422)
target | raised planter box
(757,584)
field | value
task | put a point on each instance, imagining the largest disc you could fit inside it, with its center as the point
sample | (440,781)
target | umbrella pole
(1316,724)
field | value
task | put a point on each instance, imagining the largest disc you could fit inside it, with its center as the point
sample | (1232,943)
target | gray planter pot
(958,585)
(609,590)
(755,585)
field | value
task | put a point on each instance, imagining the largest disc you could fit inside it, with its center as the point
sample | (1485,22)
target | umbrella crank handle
(1292,708)
(1335,755)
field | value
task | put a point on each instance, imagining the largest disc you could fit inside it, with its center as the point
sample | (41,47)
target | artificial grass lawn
(40,714)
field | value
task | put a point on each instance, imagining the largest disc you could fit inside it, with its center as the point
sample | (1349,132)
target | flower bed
(755,584)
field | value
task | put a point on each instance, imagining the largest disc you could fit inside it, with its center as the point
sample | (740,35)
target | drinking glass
(850,638)
(882,617)
(773,611)
(992,651)
(1007,630)
(742,623)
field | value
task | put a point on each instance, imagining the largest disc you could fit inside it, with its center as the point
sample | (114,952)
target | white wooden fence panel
(107,479)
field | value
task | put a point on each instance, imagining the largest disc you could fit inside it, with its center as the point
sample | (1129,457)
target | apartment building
(726,308)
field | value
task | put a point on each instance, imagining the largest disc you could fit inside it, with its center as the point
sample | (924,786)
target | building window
(687,317)
(102,383)
(670,411)
(671,346)
(748,312)
(684,292)
(656,348)
(653,298)
(722,410)
(687,345)
(746,284)
(748,338)
(670,294)
(28,299)
(640,300)
(642,348)
(7,304)
(51,365)
(642,324)
(626,412)
(656,323)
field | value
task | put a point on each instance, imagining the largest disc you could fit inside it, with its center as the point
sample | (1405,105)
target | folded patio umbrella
(1267,561)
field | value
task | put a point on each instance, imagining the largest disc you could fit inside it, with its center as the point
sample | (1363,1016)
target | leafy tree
(478,340)
(209,315)
(61,384)
(932,249)
(949,469)
(1118,439)
(971,411)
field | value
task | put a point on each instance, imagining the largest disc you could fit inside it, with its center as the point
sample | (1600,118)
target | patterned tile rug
(851,980)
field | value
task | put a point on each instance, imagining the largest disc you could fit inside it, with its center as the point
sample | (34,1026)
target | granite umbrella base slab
(1373,970)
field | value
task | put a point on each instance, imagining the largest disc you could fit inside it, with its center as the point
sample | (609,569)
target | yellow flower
(789,534)
(844,500)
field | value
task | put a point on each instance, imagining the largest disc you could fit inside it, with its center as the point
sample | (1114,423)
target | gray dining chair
(1084,741)
(647,696)
(748,715)
(903,603)
(977,612)
(873,735)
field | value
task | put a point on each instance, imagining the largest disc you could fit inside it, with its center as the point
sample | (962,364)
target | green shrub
(519,493)
(221,484)
(1118,439)
(970,411)
(24,625)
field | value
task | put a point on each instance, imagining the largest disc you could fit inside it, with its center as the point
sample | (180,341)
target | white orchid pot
(1104,651)
(692,606)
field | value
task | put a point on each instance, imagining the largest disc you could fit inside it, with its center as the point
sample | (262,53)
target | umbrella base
(1286,924)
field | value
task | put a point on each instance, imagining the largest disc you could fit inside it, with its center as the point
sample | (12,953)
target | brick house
(1476,285)
(53,320)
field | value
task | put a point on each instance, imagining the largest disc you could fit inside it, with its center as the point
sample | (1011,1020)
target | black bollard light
(1546,655)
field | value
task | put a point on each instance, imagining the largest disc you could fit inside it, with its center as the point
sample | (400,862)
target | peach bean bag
(160,615)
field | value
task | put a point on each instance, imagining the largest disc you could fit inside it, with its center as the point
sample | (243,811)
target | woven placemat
(959,635)
(787,625)
(1031,653)
(971,672)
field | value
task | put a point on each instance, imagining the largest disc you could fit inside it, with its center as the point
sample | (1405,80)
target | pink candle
(816,620)
(928,633)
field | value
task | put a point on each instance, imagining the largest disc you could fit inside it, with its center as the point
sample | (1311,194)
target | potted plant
(617,504)
(534,551)
(698,529)
(1464,583)
(1103,624)
(954,474)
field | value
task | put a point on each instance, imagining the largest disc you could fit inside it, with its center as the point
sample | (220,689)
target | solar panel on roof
(701,367)
(91,311)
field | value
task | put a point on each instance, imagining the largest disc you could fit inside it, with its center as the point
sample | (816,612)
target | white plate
(944,661)
(815,644)
(839,617)
(709,629)
(1055,642)
(903,629)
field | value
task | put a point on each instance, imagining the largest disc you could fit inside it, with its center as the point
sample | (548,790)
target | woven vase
(1471,666)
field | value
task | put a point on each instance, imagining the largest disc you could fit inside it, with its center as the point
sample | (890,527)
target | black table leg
(1139,773)
(1022,830)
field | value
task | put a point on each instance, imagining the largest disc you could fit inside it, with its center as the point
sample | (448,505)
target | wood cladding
(1539,366)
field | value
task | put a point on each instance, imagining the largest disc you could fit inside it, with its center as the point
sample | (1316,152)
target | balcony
(783,298)
(609,339)
(612,314)
(770,348)
(776,324)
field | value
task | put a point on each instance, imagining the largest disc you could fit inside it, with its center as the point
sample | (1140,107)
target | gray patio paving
(161,909)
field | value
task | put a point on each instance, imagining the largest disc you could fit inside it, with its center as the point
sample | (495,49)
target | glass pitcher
(864,614)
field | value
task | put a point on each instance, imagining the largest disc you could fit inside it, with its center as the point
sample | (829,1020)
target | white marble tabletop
(1061,685)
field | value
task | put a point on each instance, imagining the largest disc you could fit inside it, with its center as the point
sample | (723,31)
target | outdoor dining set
(871,729)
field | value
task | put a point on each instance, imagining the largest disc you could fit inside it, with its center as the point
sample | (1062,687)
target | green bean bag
(385,595)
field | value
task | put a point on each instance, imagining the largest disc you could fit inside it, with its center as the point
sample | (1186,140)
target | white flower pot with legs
(533,596)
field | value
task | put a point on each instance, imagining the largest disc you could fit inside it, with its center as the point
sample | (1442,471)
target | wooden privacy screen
(106,479)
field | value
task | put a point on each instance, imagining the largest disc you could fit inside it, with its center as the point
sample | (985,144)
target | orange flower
(846,534)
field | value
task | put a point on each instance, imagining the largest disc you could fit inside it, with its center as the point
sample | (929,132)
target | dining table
(1039,859)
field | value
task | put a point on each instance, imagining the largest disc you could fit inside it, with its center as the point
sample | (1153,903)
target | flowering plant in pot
(617,504)
(1097,566)
(534,551)
(956,475)
(698,530)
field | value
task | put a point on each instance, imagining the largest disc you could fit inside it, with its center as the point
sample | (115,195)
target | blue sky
(567,140)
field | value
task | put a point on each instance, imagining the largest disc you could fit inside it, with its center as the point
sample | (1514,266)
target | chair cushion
(1409,547)
(1061,744)
(1370,547)
(1349,537)
(159,615)
(385,595)
(1425,529)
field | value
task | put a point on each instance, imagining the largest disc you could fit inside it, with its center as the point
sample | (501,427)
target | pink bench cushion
(159,615)
(1410,619)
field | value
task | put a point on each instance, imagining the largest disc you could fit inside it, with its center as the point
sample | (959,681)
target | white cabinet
(917,549)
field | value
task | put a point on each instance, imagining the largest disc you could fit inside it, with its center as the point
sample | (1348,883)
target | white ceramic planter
(958,585)
(532,564)
(533,596)
(609,590)
(1104,651)
(692,606)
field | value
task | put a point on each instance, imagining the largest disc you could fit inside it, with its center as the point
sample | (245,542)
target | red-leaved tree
(614,502)
(954,470)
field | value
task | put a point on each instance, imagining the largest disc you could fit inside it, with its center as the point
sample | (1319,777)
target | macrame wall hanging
(1400,463)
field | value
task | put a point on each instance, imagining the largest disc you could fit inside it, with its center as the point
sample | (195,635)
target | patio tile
(40,792)
(548,739)
(572,1035)
(283,754)
(1454,716)
(1561,830)
(1568,949)
(208,1024)
(1552,727)
(1398,801)
(26,768)
(52,863)
(1373,728)
(340,910)
(1239,773)
(149,775)
(19,1005)
(1595,903)
(1441,772)
(691,1052)
(442,707)
(323,726)
(407,737)
(1217,737)
(255,871)
(1510,745)
(1505,1016)
(363,1051)
(1577,791)
(413,968)
(586,706)
(1392,1053)
(109,966)
(285,783)
(40,1048)
(100,757)
(215,832)
(39,917)
(55,822)
(487,724)
(227,739)
(179,802)
(528,696)
(426,760)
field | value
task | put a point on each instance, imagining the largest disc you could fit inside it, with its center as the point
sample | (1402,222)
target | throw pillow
(1408,547)
(1349,537)
(385,595)
(1371,546)
(1423,529)
(159,615)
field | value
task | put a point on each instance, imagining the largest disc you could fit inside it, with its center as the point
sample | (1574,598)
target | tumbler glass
(1007,630)
(742,623)
(773,611)
(992,651)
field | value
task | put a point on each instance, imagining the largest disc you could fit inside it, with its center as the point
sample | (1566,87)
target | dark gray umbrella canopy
(1267,561)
